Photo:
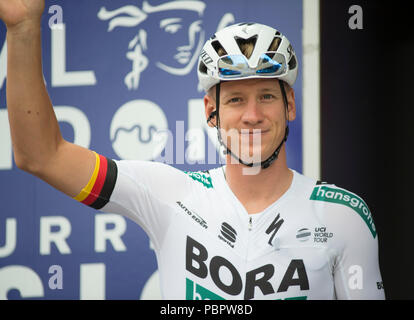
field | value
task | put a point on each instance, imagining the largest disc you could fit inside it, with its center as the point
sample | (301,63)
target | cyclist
(252,229)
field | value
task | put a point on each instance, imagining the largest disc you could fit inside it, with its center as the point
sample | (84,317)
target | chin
(252,156)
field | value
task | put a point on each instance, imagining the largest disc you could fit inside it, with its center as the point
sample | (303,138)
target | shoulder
(335,205)
(150,173)
(202,177)
(129,166)
(343,206)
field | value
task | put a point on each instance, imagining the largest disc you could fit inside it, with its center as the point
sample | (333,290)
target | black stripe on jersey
(108,187)
(228,232)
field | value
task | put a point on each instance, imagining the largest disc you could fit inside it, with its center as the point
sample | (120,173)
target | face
(252,116)
(182,36)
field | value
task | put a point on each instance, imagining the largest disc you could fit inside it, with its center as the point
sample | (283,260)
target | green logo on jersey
(327,194)
(196,292)
(202,177)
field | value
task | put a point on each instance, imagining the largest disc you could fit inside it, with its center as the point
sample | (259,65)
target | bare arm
(37,141)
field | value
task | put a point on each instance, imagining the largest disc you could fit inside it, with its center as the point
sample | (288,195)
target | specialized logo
(340,196)
(273,228)
(193,215)
(228,234)
(205,57)
(202,177)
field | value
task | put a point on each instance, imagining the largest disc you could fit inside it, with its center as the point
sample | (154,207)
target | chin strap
(266,163)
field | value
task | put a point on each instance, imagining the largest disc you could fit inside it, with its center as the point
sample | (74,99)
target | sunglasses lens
(270,64)
(270,70)
(228,72)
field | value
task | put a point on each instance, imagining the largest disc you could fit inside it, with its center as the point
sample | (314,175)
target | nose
(252,114)
(192,31)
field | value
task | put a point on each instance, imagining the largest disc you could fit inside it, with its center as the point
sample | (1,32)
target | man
(253,229)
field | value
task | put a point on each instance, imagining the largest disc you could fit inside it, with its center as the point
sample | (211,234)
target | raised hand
(16,12)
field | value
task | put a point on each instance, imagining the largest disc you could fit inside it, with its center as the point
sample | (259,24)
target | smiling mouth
(253,132)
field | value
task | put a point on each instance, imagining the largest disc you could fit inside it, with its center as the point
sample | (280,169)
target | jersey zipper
(250,223)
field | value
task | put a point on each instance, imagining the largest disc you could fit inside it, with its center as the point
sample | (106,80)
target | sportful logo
(228,233)
(340,196)
(202,177)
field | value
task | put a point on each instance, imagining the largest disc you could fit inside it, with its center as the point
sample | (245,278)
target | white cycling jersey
(318,241)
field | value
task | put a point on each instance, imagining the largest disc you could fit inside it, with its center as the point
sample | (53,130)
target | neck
(257,188)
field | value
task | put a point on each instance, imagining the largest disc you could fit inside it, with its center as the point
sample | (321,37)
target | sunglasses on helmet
(270,64)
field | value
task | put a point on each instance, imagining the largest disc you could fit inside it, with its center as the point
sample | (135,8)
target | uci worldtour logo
(320,235)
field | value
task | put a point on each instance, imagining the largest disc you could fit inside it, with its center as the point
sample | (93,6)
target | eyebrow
(232,93)
(268,89)
(168,21)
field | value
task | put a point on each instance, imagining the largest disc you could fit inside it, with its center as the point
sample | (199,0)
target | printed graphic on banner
(177,60)
(136,137)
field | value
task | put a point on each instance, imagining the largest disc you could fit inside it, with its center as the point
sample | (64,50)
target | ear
(290,95)
(209,107)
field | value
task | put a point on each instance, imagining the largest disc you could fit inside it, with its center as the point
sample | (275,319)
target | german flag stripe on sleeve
(97,192)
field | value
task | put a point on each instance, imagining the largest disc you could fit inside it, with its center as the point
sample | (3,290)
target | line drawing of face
(175,26)
(184,56)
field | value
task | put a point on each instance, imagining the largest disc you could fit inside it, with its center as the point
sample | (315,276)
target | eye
(172,28)
(268,96)
(234,100)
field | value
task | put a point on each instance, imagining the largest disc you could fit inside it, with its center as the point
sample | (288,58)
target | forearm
(34,129)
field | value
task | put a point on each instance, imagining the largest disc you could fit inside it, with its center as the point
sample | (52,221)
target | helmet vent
(246,45)
(292,63)
(275,44)
(219,48)
(202,67)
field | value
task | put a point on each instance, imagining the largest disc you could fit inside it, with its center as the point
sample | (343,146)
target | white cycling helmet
(280,62)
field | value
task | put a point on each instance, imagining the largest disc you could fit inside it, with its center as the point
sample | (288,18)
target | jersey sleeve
(356,271)
(142,191)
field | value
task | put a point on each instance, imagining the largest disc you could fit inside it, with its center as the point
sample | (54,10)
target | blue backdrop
(117,72)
